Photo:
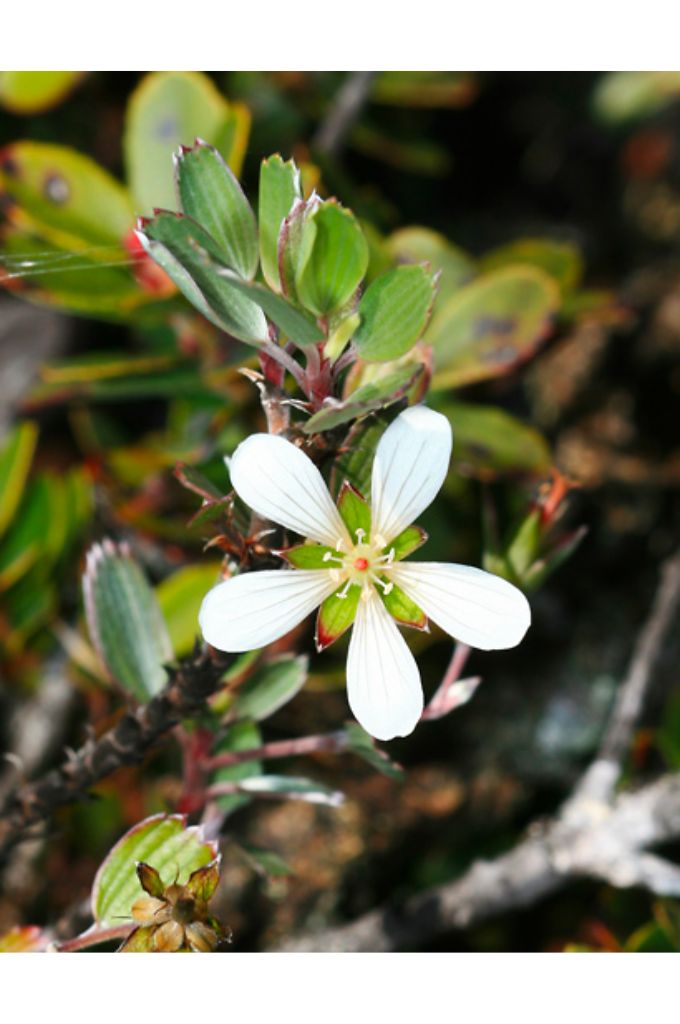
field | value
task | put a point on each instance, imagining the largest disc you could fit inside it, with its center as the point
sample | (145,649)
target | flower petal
(255,608)
(383,681)
(411,463)
(281,483)
(471,605)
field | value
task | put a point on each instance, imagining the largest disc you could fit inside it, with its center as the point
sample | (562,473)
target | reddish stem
(94,937)
(332,742)
(461,653)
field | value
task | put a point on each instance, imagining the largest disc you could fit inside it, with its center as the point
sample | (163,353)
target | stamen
(360,534)
(330,557)
(345,589)
(387,587)
(380,541)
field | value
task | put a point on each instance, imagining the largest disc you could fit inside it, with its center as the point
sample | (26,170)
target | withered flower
(175,918)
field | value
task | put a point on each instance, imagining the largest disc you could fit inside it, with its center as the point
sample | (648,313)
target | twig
(191,683)
(601,778)
(552,856)
(343,112)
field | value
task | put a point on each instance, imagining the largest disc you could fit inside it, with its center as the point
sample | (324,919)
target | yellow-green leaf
(169,109)
(492,325)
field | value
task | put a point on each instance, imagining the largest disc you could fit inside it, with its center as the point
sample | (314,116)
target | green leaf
(191,257)
(15,461)
(265,862)
(162,841)
(488,442)
(291,787)
(270,687)
(32,92)
(368,398)
(309,556)
(125,622)
(336,615)
(523,549)
(74,276)
(422,245)
(403,609)
(243,735)
(423,89)
(296,325)
(408,541)
(333,259)
(492,325)
(64,197)
(355,461)
(179,597)
(561,260)
(29,534)
(364,746)
(166,110)
(394,313)
(279,188)
(355,510)
(210,194)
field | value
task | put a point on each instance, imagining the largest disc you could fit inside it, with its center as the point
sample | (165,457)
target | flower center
(363,565)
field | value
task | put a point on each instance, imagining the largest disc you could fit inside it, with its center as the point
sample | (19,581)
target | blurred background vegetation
(549,201)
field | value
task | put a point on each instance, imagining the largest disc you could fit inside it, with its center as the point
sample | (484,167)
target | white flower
(353,569)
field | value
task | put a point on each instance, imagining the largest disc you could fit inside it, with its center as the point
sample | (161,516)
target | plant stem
(332,742)
(94,937)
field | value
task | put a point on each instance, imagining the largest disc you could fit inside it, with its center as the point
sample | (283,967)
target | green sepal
(408,541)
(150,880)
(203,881)
(354,510)
(403,609)
(336,615)
(140,940)
(309,556)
